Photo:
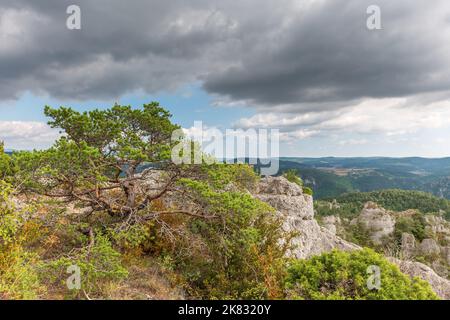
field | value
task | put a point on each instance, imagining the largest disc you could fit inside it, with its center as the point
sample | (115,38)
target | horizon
(7,150)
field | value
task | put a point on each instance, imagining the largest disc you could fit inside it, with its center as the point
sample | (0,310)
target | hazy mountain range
(331,176)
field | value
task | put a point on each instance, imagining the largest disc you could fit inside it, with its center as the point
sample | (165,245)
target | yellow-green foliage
(292,176)
(18,277)
(244,256)
(99,263)
(307,190)
(221,175)
(344,275)
(6,165)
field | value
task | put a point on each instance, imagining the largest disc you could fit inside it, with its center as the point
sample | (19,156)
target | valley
(331,177)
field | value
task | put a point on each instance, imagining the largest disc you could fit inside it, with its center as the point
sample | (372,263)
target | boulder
(429,247)
(447,254)
(286,197)
(408,241)
(297,208)
(377,221)
(408,245)
(331,223)
(278,186)
(416,269)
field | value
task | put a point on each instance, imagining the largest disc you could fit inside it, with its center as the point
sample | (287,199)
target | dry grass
(146,281)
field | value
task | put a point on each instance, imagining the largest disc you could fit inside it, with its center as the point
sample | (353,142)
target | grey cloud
(27,135)
(282,55)
(328,55)
(122,46)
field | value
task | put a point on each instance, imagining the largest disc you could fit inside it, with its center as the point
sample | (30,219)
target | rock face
(286,197)
(377,221)
(331,223)
(416,269)
(290,201)
(447,253)
(408,245)
(429,247)
(438,226)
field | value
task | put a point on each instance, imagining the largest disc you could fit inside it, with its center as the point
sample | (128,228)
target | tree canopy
(100,153)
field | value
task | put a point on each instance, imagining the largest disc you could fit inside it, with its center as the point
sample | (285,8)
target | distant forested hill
(395,200)
(331,177)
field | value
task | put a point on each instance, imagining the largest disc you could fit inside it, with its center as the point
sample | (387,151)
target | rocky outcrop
(416,269)
(408,245)
(286,197)
(377,221)
(290,201)
(447,254)
(438,226)
(429,247)
(331,223)
(297,208)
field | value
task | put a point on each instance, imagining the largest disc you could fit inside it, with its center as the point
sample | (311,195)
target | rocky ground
(288,199)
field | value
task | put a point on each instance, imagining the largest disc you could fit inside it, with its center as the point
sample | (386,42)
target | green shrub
(397,200)
(307,190)
(343,275)
(240,254)
(18,277)
(292,176)
(359,234)
(6,165)
(98,263)
(412,224)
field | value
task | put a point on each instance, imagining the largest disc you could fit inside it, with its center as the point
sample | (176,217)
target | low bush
(344,275)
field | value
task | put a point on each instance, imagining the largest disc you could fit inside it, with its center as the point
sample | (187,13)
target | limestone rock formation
(447,254)
(438,226)
(408,245)
(416,269)
(331,223)
(290,201)
(377,221)
(429,247)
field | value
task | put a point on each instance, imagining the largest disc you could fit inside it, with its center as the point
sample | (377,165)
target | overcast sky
(310,68)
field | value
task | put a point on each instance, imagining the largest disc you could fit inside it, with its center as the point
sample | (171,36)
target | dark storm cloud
(328,55)
(123,46)
(289,54)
